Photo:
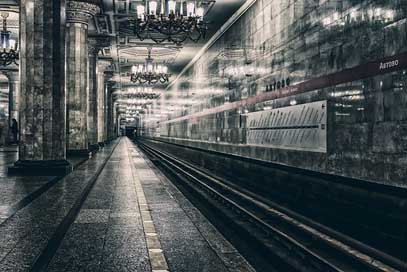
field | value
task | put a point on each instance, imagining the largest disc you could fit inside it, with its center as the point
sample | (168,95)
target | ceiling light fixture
(170,20)
(8,49)
(150,73)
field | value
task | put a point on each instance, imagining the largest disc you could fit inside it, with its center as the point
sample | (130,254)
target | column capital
(109,74)
(12,75)
(93,49)
(104,65)
(110,86)
(80,11)
(97,42)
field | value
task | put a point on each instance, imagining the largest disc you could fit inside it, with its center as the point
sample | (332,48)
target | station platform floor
(114,212)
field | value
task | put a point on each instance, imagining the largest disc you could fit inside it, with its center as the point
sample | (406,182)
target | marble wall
(290,52)
(42,108)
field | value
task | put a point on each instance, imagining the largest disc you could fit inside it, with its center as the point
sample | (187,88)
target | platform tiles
(115,212)
(16,192)
(132,221)
(187,239)
(37,212)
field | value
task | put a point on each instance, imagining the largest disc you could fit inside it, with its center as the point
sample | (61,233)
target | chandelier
(8,50)
(169,20)
(150,73)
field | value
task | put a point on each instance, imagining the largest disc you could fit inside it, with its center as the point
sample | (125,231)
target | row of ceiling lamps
(174,26)
(165,20)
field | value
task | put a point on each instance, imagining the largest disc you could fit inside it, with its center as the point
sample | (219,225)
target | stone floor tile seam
(107,230)
(112,211)
(63,226)
(156,254)
(16,207)
(203,240)
(23,237)
(171,188)
(82,209)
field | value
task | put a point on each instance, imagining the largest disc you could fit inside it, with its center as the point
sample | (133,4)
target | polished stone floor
(115,212)
(17,192)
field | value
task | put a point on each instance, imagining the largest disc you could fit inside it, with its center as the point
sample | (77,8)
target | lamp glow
(171,6)
(200,12)
(153,7)
(140,11)
(191,9)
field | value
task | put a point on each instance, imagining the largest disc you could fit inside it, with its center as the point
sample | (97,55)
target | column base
(101,144)
(82,153)
(40,168)
(94,148)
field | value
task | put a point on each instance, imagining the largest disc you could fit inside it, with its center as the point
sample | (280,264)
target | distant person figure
(14,130)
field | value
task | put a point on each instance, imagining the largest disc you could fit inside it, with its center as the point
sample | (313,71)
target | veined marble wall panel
(299,127)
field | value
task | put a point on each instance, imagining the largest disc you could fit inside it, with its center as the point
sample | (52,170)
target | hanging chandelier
(150,73)
(169,20)
(8,50)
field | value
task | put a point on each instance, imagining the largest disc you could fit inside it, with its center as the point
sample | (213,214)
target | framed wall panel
(298,127)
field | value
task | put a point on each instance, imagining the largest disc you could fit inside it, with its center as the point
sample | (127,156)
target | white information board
(299,127)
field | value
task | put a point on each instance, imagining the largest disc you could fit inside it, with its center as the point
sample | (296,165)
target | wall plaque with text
(299,127)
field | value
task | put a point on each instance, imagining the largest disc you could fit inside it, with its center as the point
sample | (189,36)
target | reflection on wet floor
(17,191)
(115,212)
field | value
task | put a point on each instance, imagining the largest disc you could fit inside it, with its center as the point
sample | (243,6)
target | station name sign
(389,64)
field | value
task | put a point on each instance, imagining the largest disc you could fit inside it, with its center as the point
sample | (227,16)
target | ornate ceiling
(127,49)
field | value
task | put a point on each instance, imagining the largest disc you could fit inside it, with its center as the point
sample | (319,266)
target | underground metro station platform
(203,135)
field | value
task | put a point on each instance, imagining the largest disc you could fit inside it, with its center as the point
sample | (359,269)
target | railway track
(284,240)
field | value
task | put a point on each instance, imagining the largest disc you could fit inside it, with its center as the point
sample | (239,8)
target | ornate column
(109,124)
(42,71)
(115,120)
(93,101)
(101,86)
(110,115)
(95,43)
(108,96)
(78,14)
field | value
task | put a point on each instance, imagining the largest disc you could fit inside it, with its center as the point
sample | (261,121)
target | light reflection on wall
(271,45)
